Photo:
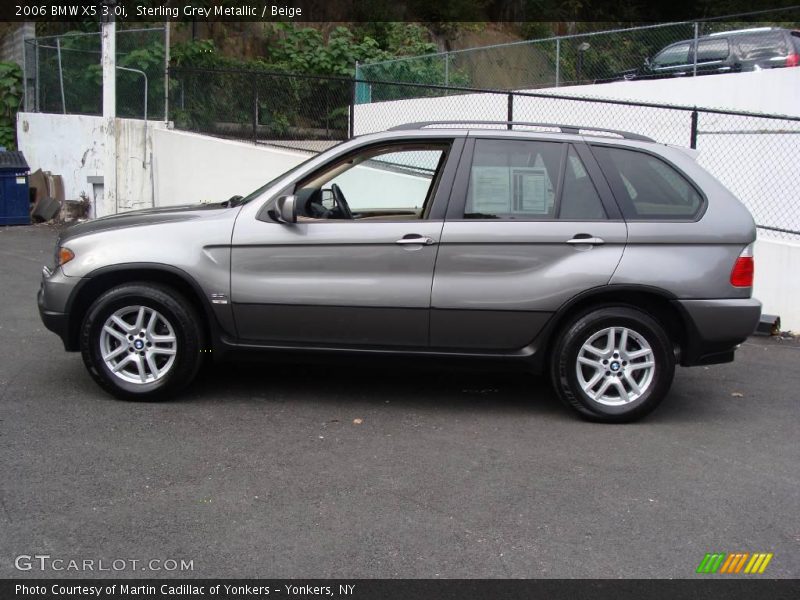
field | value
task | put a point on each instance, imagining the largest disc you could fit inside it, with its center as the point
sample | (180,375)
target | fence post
(558,61)
(510,109)
(352,120)
(693,133)
(61,76)
(166,71)
(447,68)
(37,85)
(24,75)
(694,59)
(255,111)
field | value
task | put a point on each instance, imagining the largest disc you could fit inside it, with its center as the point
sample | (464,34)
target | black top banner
(639,11)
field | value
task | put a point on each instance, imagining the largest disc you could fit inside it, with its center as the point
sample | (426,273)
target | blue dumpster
(14,197)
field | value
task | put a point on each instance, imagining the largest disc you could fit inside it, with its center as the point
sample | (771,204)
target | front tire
(612,364)
(141,341)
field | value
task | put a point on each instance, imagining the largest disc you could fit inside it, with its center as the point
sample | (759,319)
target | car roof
(734,33)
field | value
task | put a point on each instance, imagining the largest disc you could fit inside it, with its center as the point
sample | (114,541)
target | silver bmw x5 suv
(599,257)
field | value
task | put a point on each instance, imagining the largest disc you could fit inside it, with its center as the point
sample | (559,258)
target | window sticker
(530,191)
(491,190)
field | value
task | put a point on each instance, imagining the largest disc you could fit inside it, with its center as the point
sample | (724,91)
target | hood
(148,216)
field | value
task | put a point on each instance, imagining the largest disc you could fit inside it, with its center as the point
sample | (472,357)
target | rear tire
(141,341)
(612,364)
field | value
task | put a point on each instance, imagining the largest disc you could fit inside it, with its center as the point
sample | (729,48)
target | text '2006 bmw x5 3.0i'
(603,260)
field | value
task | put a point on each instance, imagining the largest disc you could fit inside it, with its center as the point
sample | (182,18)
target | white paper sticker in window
(491,190)
(530,191)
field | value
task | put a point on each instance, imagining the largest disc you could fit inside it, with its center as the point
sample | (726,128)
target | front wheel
(141,341)
(613,364)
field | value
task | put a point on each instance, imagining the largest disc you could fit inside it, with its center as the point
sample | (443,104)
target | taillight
(743,269)
(793,60)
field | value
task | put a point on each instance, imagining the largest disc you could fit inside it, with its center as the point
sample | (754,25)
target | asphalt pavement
(358,470)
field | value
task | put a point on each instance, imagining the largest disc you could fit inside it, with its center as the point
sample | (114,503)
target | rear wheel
(613,364)
(141,341)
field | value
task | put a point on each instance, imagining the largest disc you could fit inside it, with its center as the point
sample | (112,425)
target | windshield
(256,193)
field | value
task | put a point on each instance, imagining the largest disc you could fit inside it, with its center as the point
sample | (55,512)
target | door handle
(583,238)
(413,238)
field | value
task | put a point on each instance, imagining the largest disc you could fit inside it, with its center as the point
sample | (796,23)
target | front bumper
(53,299)
(715,328)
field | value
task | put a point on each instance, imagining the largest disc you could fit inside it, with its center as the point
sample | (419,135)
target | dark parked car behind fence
(724,52)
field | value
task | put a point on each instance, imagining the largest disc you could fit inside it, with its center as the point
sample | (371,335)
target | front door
(356,269)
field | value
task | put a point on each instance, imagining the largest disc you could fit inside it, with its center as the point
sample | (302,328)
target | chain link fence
(63,74)
(562,60)
(298,111)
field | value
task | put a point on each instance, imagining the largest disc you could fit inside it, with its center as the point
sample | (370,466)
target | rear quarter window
(762,45)
(648,188)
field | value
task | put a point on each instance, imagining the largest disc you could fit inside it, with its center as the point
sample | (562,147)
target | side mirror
(285,210)
(646,61)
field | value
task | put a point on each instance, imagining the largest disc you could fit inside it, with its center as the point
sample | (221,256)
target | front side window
(672,56)
(513,180)
(387,183)
(646,187)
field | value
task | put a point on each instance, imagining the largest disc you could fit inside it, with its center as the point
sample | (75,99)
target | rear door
(530,224)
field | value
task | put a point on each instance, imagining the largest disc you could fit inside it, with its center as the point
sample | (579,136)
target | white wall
(777,281)
(195,168)
(72,146)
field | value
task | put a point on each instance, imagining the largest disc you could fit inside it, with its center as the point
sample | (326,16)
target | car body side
(192,250)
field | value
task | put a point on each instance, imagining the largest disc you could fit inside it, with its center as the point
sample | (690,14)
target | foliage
(10,98)
(306,51)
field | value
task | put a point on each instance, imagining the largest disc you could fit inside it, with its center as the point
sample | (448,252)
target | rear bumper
(715,328)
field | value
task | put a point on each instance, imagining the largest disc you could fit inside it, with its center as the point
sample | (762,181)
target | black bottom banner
(399,589)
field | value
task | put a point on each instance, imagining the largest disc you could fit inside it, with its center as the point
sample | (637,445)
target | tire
(634,389)
(141,324)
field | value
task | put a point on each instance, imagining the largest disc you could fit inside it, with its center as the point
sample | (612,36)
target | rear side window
(714,49)
(648,188)
(513,180)
(579,199)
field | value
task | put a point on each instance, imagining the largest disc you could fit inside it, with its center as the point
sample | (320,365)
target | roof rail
(740,31)
(572,129)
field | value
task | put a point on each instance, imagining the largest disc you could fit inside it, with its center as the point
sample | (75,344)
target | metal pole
(694,59)
(24,75)
(61,76)
(109,62)
(166,73)
(693,131)
(510,111)
(36,83)
(447,68)
(558,61)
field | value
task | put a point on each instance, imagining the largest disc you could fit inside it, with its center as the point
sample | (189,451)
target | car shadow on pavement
(417,384)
